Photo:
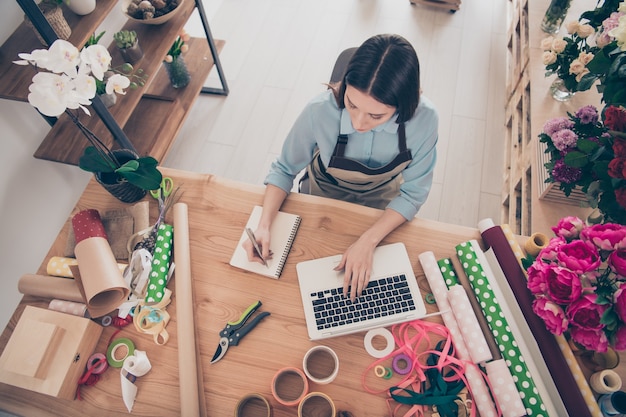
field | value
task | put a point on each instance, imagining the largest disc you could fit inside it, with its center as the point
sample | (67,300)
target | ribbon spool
(253,405)
(289,386)
(117,344)
(316,404)
(384,333)
(605,382)
(402,364)
(321,364)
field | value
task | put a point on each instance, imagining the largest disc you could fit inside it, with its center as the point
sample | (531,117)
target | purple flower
(587,115)
(565,174)
(554,125)
(564,139)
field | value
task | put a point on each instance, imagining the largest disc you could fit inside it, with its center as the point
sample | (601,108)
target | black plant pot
(118,187)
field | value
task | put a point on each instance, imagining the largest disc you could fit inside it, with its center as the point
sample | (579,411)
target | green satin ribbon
(499,326)
(160,263)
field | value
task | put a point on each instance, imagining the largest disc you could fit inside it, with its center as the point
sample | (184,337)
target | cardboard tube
(49,287)
(187,359)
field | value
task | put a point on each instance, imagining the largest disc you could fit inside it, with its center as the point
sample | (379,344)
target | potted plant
(69,84)
(128,45)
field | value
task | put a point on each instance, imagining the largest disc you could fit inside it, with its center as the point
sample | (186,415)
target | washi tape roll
(402,364)
(253,405)
(127,348)
(289,386)
(160,264)
(316,404)
(385,334)
(605,382)
(321,364)
(98,362)
(380,371)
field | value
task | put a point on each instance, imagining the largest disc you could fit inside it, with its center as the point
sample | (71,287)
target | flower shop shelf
(150,116)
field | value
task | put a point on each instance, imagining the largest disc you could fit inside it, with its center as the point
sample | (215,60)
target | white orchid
(71,82)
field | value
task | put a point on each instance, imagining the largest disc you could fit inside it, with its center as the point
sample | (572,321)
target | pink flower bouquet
(579,283)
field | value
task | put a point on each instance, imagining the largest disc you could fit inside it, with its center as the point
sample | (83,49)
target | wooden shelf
(451,5)
(150,116)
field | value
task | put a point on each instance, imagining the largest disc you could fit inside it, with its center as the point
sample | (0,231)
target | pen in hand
(257,249)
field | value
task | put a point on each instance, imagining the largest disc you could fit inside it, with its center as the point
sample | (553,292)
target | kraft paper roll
(59,266)
(605,382)
(504,389)
(436,281)
(187,358)
(468,323)
(50,287)
(500,328)
(556,352)
(253,405)
(316,404)
(101,279)
(160,264)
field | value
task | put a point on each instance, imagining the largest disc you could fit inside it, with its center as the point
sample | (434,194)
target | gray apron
(349,180)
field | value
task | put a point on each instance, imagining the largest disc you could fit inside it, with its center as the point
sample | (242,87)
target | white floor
(278,54)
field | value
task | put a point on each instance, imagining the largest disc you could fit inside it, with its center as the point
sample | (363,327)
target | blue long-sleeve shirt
(318,126)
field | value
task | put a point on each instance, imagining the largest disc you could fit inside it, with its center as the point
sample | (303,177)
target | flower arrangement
(579,283)
(589,154)
(178,47)
(175,64)
(69,83)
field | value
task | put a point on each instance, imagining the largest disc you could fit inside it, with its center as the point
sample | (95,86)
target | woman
(370,140)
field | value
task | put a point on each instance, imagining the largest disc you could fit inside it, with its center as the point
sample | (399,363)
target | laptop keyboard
(382,297)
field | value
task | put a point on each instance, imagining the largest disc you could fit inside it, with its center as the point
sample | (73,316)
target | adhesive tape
(380,371)
(99,363)
(386,334)
(289,386)
(316,404)
(402,364)
(605,382)
(106,321)
(253,404)
(321,364)
(113,360)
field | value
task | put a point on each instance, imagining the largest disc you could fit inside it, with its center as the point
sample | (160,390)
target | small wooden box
(48,352)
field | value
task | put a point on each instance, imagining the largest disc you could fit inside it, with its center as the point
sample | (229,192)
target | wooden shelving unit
(151,116)
(451,5)
(528,203)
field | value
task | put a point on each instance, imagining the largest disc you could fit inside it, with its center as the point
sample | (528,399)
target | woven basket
(123,191)
(54,16)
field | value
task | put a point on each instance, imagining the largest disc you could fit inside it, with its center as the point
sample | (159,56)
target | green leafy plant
(125,38)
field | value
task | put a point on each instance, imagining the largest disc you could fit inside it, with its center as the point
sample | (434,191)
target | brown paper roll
(187,359)
(49,287)
(102,281)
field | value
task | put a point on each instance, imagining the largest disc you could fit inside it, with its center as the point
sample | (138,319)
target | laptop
(392,295)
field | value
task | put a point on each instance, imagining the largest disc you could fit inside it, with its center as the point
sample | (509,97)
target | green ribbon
(500,328)
(160,263)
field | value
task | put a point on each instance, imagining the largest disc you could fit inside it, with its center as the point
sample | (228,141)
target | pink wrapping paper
(504,389)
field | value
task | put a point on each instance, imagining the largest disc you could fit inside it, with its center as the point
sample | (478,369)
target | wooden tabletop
(218,210)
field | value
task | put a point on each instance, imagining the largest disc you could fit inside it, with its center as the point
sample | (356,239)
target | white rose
(585,30)
(576,67)
(549,57)
(582,74)
(572,27)
(619,33)
(585,57)
(559,45)
(546,43)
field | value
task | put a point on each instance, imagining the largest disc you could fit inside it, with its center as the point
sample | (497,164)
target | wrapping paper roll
(437,284)
(50,287)
(448,273)
(160,264)
(468,323)
(579,402)
(59,266)
(100,277)
(504,389)
(515,247)
(500,329)
(187,357)
(69,307)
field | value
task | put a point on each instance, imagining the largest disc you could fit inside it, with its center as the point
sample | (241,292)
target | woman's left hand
(357,265)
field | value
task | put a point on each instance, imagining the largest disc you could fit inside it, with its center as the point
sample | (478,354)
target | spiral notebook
(284,229)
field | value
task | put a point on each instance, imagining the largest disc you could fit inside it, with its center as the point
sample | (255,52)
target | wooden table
(218,210)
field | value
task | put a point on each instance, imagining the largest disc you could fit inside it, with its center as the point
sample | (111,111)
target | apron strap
(340,147)
(401,137)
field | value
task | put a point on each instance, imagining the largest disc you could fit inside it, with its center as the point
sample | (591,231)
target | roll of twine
(535,243)
(253,405)
(289,386)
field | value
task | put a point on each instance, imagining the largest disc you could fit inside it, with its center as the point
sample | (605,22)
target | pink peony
(569,227)
(551,314)
(620,339)
(594,340)
(548,253)
(617,261)
(585,313)
(607,236)
(537,283)
(619,300)
(563,285)
(578,256)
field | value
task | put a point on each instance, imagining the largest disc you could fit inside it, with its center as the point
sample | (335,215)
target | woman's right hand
(263,240)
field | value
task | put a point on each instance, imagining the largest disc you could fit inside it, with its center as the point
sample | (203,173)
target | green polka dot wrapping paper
(160,263)
(500,329)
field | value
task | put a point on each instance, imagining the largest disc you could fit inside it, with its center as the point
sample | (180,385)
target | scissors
(235,331)
(164,191)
